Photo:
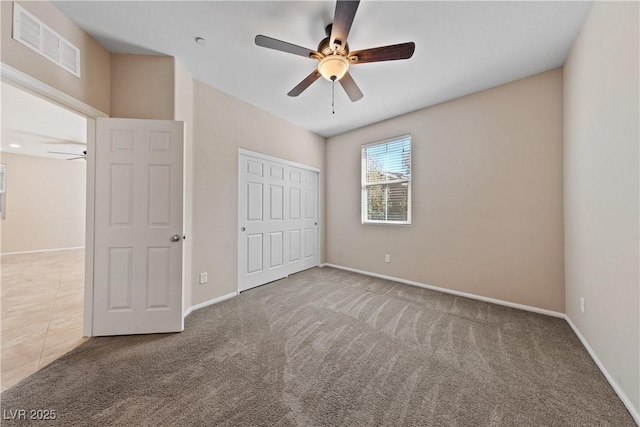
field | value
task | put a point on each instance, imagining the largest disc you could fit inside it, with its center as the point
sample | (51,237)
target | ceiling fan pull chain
(333,94)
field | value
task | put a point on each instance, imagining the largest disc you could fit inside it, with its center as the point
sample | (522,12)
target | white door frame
(244,151)
(27,83)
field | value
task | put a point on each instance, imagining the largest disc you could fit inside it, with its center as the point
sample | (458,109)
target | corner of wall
(601,192)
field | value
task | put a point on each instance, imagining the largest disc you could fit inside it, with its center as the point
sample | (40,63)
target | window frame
(364,184)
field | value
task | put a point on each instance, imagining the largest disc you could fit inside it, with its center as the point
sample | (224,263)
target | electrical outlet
(582,305)
(387,258)
(203,278)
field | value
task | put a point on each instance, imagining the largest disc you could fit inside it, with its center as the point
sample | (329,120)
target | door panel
(277,202)
(309,242)
(278,227)
(277,172)
(309,204)
(159,195)
(254,168)
(158,273)
(120,279)
(138,208)
(254,253)
(294,245)
(277,249)
(121,195)
(254,201)
(294,203)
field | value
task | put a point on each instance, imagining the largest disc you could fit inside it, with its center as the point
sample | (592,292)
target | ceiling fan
(333,52)
(76,155)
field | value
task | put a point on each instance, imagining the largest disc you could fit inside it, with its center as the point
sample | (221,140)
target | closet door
(310,220)
(295,233)
(263,247)
(277,220)
(303,219)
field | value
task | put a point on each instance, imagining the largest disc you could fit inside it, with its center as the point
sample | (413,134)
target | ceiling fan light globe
(335,66)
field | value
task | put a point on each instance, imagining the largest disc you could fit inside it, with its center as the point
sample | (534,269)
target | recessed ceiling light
(14,145)
(201,42)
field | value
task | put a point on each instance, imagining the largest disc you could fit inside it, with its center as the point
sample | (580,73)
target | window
(386,181)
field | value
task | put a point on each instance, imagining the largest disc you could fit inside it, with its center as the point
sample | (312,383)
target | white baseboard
(621,394)
(452,292)
(43,250)
(208,303)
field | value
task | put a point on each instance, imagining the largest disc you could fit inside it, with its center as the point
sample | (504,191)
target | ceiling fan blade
(66,142)
(276,44)
(315,75)
(76,158)
(383,53)
(65,153)
(342,20)
(349,85)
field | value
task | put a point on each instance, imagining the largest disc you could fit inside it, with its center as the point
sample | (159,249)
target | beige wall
(223,124)
(601,189)
(216,125)
(142,87)
(486,194)
(93,88)
(45,203)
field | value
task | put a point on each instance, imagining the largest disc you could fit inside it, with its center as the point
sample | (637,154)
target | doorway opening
(43,191)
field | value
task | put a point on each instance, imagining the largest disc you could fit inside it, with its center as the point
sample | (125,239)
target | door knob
(175,238)
(242,229)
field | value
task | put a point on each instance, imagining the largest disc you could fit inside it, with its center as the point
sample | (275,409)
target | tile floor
(42,311)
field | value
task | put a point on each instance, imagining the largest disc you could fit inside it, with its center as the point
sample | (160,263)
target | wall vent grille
(34,34)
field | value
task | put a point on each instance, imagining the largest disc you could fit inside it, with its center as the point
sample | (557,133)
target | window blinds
(386,180)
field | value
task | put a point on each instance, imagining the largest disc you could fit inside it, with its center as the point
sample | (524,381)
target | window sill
(386,223)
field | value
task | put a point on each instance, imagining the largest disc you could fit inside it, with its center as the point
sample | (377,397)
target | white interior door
(310,221)
(138,227)
(295,233)
(262,222)
(303,219)
(277,219)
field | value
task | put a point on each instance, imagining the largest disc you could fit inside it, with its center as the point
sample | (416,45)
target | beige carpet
(331,348)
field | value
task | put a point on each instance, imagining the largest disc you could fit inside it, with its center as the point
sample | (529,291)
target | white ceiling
(38,126)
(461,48)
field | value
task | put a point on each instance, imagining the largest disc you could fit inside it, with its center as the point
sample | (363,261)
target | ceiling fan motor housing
(325,48)
(334,63)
